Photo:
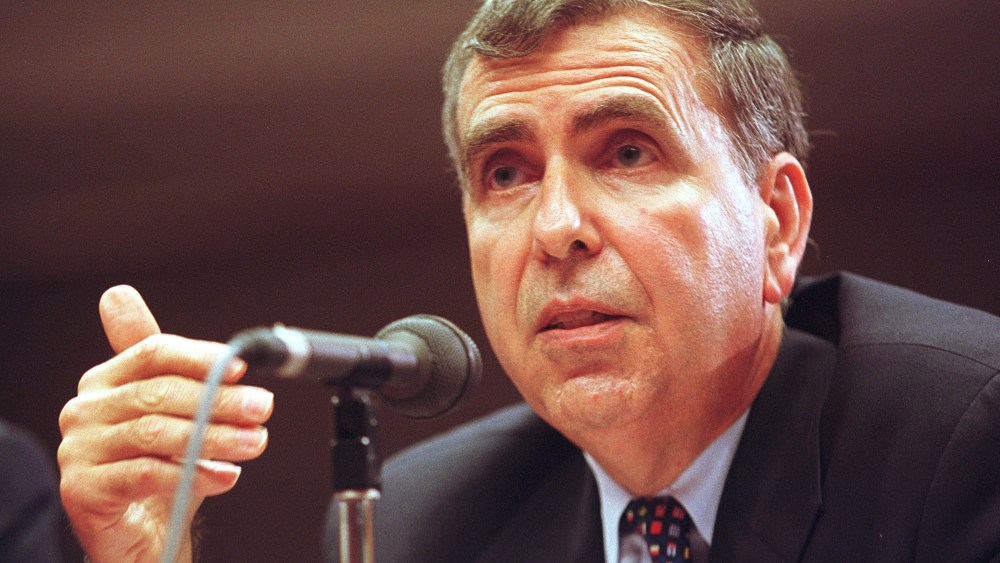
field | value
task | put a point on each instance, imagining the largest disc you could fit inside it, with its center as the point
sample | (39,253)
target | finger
(109,487)
(170,395)
(126,318)
(161,354)
(167,436)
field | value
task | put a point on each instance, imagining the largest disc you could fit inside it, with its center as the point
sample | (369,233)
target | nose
(563,224)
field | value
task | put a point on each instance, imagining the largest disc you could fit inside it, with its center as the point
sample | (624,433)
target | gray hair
(761,97)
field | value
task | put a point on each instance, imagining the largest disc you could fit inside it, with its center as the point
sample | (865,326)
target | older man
(636,213)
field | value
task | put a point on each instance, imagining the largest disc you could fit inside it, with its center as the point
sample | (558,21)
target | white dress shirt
(698,488)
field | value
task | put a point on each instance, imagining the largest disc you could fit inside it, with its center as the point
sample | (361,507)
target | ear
(785,191)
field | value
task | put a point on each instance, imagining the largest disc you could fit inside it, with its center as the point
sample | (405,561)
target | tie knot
(663,523)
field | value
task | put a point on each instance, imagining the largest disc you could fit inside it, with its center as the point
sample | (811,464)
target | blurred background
(243,163)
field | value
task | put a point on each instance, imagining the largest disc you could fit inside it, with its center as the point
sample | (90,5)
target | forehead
(639,50)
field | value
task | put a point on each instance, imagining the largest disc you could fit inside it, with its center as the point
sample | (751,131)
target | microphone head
(456,366)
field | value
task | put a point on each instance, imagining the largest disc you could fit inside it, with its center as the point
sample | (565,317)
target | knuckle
(66,453)
(228,402)
(70,415)
(219,438)
(146,471)
(151,395)
(90,378)
(71,489)
(149,349)
(148,430)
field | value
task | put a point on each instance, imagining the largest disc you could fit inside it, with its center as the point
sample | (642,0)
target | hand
(125,432)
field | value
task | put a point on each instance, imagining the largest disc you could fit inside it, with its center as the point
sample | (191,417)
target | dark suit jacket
(29,500)
(876,437)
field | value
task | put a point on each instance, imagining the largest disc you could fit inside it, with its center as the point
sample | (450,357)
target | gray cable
(182,497)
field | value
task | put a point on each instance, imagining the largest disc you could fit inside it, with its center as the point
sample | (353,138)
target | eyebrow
(623,108)
(481,136)
(642,111)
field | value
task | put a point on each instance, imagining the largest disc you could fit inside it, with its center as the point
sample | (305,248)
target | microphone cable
(182,496)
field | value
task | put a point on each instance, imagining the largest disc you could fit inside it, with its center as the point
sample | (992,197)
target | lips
(577,315)
(576,319)
(581,327)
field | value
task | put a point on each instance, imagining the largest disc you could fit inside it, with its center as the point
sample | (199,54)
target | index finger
(162,354)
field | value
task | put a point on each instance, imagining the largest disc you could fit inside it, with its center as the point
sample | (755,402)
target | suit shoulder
(854,311)
(472,480)
(909,369)
(510,441)
(909,422)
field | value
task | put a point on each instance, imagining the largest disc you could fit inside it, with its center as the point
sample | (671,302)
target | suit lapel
(772,493)
(559,522)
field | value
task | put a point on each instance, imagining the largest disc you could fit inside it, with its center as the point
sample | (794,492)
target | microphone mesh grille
(457,367)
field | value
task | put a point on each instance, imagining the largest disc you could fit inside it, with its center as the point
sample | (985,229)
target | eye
(505,177)
(632,156)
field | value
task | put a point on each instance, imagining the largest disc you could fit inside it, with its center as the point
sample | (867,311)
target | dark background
(245,163)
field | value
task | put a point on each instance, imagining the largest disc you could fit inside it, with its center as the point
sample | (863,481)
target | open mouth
(576,319)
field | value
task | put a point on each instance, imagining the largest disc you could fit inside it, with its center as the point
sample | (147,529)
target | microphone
(423,365)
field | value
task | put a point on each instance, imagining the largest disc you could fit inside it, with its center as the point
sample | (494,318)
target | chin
(592,402)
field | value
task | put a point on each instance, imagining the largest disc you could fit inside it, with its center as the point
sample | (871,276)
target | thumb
(126,318)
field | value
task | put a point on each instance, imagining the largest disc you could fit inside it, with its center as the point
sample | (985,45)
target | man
(636,213)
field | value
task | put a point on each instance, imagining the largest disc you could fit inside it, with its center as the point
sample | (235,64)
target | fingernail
(253,438)
(219,466)
(257,402)
(236,368)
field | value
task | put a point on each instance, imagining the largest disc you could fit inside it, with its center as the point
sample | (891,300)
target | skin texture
(126,429)
(628,278)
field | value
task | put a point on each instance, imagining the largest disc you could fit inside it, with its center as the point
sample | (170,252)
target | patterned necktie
(665,525)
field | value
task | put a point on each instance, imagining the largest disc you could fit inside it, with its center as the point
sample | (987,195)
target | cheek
(495,261)
(482,248)
(732,271)
(669,245)
(700,260)
(743,244)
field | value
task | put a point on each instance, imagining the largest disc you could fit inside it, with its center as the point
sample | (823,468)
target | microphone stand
(356,472)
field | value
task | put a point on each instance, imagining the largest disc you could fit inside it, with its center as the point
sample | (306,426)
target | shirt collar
(698,488)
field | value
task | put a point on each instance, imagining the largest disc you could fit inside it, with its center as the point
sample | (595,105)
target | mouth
(570,320)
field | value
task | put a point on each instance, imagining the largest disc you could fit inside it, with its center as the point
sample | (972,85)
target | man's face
(617,253)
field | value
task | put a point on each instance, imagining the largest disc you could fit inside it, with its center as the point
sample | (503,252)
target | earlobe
(785,191)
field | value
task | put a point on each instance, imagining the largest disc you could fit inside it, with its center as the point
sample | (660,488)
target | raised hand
(127,428)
